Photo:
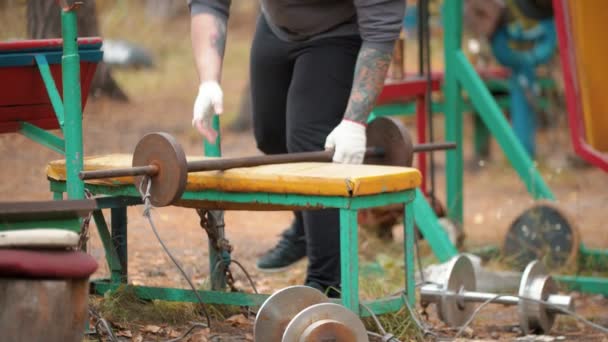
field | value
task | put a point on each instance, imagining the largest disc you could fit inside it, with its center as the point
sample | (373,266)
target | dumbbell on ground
(456,296)
(304,314)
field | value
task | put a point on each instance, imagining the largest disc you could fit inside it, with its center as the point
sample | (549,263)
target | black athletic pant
(299,94)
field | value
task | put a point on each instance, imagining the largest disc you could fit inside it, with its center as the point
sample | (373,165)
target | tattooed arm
(370,71)
(208,33)
(208,43)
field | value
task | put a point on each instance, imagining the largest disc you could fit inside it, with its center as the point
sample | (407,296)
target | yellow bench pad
(324,179)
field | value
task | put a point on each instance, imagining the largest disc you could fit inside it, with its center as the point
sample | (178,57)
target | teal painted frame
(348,207)
(460,75)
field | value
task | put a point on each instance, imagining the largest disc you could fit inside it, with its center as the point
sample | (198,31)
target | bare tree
(44,21)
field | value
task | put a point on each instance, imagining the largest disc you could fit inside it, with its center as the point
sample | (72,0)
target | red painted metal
(405,91)
(573,105)
(44,44)
(23,96)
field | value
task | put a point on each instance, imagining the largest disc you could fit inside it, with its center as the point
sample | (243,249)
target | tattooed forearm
(208,44)
(370,71)
(218,38)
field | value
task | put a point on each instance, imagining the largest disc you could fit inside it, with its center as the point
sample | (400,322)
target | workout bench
(304,186)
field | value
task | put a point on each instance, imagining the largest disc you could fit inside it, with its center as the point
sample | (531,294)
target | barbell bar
(456,295)
(160,158)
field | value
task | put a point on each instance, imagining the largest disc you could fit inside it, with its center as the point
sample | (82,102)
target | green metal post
(112,258)
(431,229)
(453,110)
(218,279)
(408,250)
(70,66)
(51,88)
(349,259)
(499,127)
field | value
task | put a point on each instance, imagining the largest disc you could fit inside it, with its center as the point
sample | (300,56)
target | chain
(84,226)
(212,221)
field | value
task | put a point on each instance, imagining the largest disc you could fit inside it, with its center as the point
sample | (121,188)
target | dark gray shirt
(378,22)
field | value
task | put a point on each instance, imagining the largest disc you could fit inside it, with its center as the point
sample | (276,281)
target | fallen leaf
(138,338)
(200,336)
(124,333)
(152,329)
(239,319)
(174,333)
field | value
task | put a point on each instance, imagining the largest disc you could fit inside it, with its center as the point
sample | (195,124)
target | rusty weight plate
(542,232)
(162,150)
(392,136)
(279,309)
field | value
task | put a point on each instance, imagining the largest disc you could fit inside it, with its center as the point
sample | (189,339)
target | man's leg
(271,72)
(318,95)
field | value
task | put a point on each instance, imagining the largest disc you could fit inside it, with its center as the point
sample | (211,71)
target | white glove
(209,101)
(348,140)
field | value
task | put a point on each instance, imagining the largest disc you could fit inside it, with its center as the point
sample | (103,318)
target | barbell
(455,297)
(304,314)
(159,157)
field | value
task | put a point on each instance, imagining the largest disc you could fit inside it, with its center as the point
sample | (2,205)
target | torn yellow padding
(324,179)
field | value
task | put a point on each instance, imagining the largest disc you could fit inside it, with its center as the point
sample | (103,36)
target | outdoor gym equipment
(540,43)
(456,296)
(160,157)
(302,313)
(542,232)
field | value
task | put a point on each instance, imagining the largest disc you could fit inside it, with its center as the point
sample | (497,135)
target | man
(317,67)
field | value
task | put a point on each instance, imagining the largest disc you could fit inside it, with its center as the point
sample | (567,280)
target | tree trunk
(44,21)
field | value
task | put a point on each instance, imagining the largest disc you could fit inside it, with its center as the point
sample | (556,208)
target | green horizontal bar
(289,200)
(69,224)
(43,137)
(184,295)
(51,88)
(593,285)
(379,306)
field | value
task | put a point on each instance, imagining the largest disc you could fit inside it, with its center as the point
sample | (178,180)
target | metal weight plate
(535,283)
(278,310)
(542,232)
(325,322)
(162,150)
(461,277)
(391,135)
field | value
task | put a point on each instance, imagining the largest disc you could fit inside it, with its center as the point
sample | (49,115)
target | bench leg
(349,259)
(57,196)
(112,258)
(119,238)
(408,250)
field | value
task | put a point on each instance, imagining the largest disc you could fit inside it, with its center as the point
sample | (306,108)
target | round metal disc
(451,310)
(391,135)
(536,284)
(162,150)
(337,324)
(327,330)
(542,232)
(278,310)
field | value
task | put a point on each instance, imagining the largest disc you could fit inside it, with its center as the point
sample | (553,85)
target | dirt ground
(161,99)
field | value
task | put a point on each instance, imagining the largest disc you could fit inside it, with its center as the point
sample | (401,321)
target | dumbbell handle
(432,293)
